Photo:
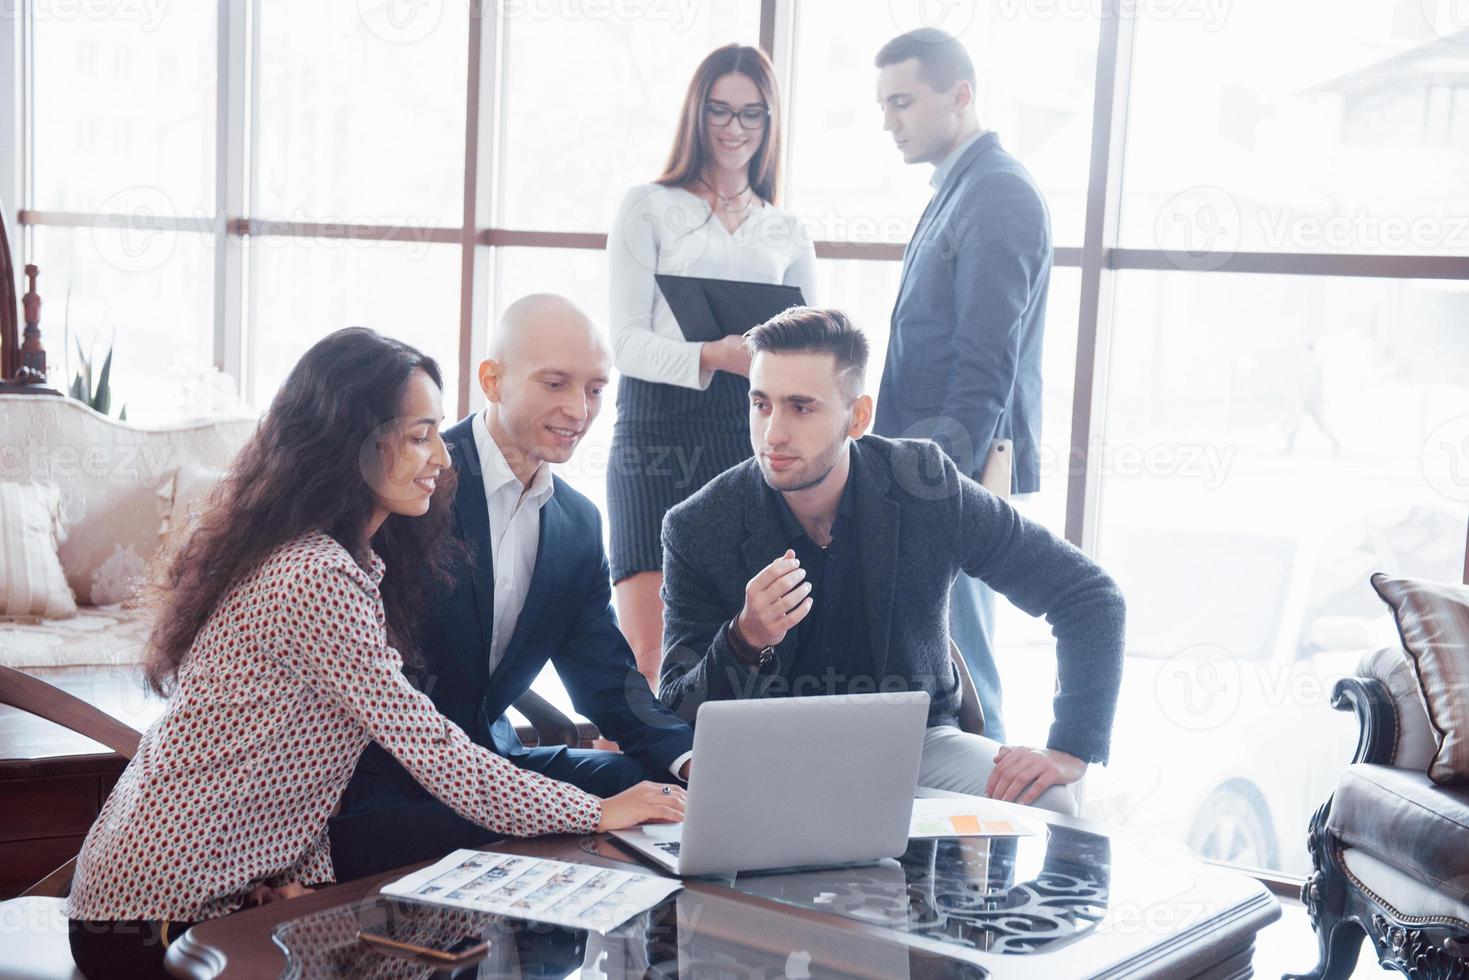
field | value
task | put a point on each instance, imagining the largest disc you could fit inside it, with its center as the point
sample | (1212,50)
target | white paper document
(577,896)
(947,817)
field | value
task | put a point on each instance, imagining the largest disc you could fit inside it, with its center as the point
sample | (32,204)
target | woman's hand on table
(646,802)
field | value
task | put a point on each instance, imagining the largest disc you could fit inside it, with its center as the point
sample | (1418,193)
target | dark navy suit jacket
(567,621)
(964,356)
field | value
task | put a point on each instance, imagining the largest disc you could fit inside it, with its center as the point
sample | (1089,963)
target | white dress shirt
(515,532)
(671,230)
(515,538)
(945,167)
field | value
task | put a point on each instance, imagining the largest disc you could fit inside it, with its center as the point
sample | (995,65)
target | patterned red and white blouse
(287,682)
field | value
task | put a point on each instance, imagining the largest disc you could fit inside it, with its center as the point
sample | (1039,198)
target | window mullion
(1104,187)
(233,142)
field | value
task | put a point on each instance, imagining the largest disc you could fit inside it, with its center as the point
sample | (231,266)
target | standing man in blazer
(964,356)
(530,587)
(823,566)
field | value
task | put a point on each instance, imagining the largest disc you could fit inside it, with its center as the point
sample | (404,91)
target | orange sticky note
(965,823)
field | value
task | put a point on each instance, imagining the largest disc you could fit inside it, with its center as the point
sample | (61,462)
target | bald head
(536,318)
(543,380)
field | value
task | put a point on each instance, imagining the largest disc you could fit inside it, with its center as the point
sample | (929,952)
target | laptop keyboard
(668,846)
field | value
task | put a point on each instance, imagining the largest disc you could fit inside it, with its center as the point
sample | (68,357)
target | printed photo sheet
(577,896)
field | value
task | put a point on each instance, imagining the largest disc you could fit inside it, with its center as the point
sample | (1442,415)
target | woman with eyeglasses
(683,406)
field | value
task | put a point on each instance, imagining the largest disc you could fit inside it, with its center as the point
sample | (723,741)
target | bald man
(531,588)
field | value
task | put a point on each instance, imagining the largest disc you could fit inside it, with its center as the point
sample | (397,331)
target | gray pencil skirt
(667,443)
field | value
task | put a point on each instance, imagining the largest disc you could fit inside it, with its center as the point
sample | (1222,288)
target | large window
(1036,78)
(1256,358)
(304,288)
(123,119)
(591,100)
(1243,135)
(146,295)
(1269,444)
(363,163)
(360,113)
(1267,441)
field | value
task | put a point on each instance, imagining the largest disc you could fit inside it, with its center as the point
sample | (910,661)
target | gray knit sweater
(920,524)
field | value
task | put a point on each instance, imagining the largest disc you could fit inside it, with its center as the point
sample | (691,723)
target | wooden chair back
(35,696)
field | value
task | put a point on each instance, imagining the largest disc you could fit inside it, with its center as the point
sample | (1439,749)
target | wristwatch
(746,652)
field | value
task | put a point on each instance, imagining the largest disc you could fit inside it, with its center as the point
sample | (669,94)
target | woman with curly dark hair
(282,623)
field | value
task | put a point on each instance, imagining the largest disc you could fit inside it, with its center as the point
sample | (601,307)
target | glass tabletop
(690,934)
(959,907)
(1010,895)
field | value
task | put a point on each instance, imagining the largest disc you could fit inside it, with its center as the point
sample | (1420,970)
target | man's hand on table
(1022,773)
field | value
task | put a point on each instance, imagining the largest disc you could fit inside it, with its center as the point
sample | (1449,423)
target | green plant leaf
(84,376)
(102,397)
(122,416)
(76,388)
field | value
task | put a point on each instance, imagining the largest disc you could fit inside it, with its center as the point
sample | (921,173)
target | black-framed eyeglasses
(750,117)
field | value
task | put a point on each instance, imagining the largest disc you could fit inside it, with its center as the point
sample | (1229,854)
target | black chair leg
(1339,942)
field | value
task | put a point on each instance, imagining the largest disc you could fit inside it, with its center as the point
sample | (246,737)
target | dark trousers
(122,950)
(371,840)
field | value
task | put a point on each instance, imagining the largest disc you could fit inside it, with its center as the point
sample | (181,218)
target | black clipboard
(710,309)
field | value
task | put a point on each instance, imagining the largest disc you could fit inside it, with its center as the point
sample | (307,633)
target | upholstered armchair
(1391,846)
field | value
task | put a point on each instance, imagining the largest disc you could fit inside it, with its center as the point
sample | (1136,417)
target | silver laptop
(794,782)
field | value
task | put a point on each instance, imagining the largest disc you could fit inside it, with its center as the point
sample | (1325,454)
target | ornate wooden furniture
(22,359)
(1390,847)
(62,799)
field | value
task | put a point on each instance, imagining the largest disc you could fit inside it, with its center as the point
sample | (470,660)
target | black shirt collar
(791,528)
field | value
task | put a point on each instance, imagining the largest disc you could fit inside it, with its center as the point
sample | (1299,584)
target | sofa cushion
(1407,820)
(1433,620)
(1416,741)
(106,556)
(94,637)
(31,580)
(1403,893)
(116,481)
(192,485)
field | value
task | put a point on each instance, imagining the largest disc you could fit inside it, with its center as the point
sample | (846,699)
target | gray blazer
(964,356)
(921,523)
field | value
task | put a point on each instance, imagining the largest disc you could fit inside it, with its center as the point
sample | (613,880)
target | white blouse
(283,688)
(671,230)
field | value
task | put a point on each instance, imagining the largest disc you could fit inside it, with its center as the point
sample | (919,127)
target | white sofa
(120,486)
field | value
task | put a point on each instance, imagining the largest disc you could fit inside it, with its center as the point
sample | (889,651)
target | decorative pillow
(31,580)
(106,555)
(192,485)
(1433,621)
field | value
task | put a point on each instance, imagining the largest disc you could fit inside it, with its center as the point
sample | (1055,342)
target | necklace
(729,203)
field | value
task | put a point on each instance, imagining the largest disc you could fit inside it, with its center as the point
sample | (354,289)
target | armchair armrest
(551,725)
(35,696)
(1369,698)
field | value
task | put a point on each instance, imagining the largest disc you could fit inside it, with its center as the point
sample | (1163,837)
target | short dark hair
(942,60)
(807,330)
